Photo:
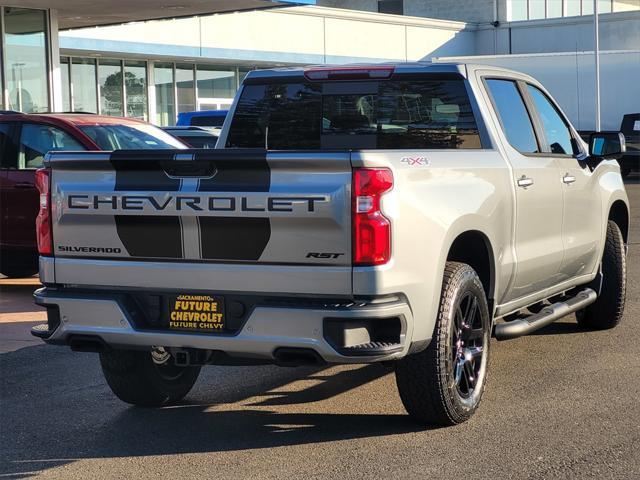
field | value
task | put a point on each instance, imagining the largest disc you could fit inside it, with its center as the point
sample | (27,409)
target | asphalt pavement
(562,403)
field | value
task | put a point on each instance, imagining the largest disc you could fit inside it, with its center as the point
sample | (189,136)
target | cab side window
(513,114)
(555,127)
(38,139)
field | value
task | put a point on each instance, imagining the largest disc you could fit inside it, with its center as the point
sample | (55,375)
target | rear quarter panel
(430,205)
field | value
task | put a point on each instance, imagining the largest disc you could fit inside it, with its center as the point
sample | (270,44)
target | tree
(136,93)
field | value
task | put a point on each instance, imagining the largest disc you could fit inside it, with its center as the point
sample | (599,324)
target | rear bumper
(106,318)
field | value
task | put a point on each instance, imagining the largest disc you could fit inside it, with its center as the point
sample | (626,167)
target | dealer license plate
(196,313)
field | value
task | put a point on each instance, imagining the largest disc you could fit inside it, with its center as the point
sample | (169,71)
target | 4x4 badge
(415,161)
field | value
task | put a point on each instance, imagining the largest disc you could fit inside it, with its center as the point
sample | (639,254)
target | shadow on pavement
(329,387)
(66,412)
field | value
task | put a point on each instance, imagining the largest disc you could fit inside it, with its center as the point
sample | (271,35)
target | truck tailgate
(207,219)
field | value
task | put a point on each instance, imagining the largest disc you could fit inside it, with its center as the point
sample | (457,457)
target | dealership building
(153,59)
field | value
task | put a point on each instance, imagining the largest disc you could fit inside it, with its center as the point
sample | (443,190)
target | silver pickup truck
(399,213)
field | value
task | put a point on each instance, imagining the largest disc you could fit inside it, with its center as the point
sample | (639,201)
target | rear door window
(513,114)
(392,114)
(36,140)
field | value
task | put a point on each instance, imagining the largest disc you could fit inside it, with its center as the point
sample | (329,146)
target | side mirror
(607,144)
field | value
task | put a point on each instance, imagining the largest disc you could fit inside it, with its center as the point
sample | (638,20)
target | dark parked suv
(630,127)
(24,140)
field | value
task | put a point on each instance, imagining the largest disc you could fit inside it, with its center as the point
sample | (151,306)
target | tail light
(371,229)
(43,220)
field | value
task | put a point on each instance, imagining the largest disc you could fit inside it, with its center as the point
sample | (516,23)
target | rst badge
(415,161)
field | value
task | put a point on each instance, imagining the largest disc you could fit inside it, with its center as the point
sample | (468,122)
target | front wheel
(148,379)
(606,312)
(443,384)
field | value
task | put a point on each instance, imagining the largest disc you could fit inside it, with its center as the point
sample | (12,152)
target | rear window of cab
(390,114)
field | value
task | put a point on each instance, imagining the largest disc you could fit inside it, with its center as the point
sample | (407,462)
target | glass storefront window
(83,85)
(519,10)
(135,76)
(587,7)
(110,78)
(185,90)
(604,6)
(536,9)
(26,59)
(573,8)
(66,84)
(554,8)
(165,94)
(215,82)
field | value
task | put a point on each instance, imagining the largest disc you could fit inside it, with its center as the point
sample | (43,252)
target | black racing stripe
(242,170)
(234,238)
(222,238)
(150,236)
(147,236)
(143,170)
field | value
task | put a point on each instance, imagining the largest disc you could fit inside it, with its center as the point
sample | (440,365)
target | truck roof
(460,68)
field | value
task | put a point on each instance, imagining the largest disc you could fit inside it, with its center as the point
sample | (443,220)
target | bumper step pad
(372,348)
(41,331)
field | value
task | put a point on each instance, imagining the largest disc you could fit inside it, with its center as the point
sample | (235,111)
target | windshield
(130,137)
(392,114)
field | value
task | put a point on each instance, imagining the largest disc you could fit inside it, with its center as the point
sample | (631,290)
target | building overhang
(89,13)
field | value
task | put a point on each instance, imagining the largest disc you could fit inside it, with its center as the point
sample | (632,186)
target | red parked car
(24,140)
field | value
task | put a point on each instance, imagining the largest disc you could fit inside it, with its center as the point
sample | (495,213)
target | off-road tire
(135,378)
(426,380)
(606,312)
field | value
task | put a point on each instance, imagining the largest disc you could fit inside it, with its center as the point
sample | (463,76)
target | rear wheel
(443,384)
(149,379)
(606,312)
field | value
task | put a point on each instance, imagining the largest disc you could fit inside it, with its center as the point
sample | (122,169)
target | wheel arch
(474,248)
(619,213)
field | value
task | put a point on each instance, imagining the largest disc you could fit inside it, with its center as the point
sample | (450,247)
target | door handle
(525,181)
(568,179)
(24,185)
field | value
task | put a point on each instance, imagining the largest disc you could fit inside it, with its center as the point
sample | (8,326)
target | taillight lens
(43,220)
(371,229)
